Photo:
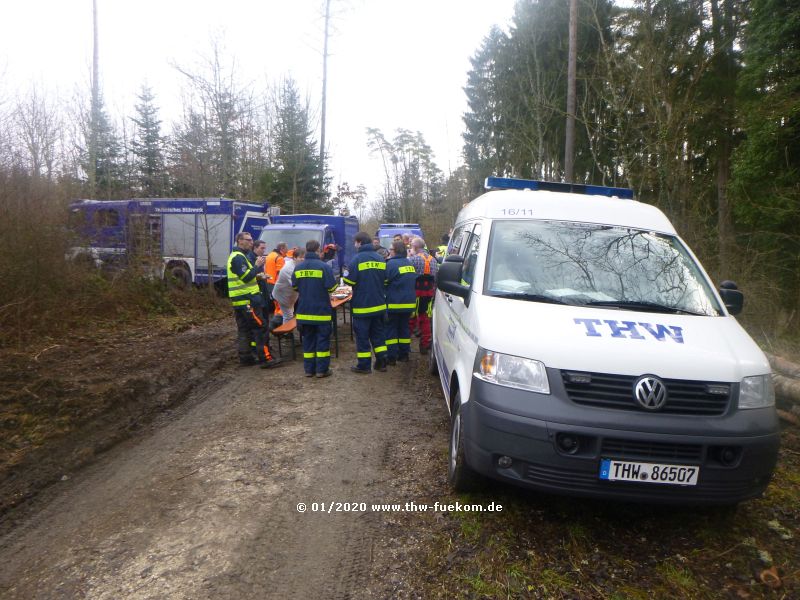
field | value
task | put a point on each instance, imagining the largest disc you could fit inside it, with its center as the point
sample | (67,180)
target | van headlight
(512,371)
(757,392)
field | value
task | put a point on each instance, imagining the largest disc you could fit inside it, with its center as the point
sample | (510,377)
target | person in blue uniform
(367,275)
(314,281)
(401,300)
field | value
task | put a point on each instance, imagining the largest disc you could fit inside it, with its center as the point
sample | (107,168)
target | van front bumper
(493,428)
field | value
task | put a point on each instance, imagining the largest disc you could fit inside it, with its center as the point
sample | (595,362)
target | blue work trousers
(316,347)
(369,330)
(252,335)
(398,335)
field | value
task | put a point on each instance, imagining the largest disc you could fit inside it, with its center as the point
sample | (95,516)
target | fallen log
(786,389)
(789,417)
(783,366)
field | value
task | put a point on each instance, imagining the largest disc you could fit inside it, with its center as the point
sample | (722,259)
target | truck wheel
(178,276)
(459,475)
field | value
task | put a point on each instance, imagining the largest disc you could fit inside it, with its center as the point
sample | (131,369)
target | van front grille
(623,449)
(684,397)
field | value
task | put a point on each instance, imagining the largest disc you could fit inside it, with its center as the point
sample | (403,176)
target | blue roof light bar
(509,183)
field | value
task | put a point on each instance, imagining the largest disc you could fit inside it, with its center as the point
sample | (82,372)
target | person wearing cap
(313,280)
(367,276)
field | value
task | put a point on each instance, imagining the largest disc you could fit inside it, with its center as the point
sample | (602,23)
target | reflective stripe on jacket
(313,279)
(367,274)
(401,280)
(242,283)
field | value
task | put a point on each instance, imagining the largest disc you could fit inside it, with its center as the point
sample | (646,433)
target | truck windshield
(587,264)
(295,237)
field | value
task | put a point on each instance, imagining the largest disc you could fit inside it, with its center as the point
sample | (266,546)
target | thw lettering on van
(628,330)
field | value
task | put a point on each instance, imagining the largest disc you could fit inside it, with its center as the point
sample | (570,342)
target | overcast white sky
(393,64)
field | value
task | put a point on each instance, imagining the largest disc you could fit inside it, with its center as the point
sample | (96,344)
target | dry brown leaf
(770,578)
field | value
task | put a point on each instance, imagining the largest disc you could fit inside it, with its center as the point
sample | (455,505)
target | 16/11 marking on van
(624,470)
(516,212)
(629,330)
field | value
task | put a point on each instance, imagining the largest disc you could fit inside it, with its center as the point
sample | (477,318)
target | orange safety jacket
(272,265)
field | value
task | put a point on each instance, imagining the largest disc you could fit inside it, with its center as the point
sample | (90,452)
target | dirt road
(205,503)
(201,501)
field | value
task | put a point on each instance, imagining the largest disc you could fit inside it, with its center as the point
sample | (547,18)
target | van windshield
(596,265)
(294,237)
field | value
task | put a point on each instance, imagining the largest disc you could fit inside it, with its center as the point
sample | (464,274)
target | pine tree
(413,183)
(147,147)
(106,163)
(484,139)
(767,163)
(294,180)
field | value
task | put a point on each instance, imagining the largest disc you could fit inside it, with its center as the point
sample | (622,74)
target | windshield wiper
(644,306)
(529,297)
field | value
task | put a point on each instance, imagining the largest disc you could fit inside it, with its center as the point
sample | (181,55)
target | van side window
(471,257)
(106,218)
(457,240)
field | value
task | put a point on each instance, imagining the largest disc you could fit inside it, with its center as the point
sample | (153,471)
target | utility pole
(324,94)
(95,108)
(569,146)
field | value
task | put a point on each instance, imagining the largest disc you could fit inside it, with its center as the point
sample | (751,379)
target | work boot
(403,358)
(272,362)
(380,365)
(327,373)
(355,369)
(423,349)
(309,374)
(391,361)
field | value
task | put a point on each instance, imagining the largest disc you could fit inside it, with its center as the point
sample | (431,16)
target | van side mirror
(448,277)
(731,296)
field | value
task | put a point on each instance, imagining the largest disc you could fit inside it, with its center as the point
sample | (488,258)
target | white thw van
(582,349)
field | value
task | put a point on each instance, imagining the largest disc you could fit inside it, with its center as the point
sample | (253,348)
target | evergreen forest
(693,104)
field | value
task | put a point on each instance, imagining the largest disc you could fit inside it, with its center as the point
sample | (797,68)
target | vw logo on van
(650,392)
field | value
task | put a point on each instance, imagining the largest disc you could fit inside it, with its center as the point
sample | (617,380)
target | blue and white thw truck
(187,239)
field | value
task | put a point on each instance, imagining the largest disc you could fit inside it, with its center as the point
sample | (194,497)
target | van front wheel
(459,475)
(433,367)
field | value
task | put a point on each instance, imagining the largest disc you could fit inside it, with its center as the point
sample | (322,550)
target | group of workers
(393,292)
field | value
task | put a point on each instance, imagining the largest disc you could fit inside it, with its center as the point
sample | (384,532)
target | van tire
(459,475)
(178,276)
(433,366)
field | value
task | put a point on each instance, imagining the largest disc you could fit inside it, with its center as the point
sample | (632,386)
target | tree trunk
(569,145)
(324,94)
(723,36)
(94,110)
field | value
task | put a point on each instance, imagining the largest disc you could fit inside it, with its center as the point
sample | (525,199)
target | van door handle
(449,298)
